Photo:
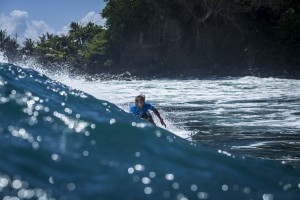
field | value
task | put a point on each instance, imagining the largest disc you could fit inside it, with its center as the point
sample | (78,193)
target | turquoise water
(61,143)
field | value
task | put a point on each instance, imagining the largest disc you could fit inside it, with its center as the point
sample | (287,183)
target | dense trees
(83,46)
(9,46)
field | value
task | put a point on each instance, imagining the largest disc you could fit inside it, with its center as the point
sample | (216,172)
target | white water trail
(3,59)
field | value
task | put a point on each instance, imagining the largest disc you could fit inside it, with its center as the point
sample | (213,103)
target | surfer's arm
(160,118)
(132,109)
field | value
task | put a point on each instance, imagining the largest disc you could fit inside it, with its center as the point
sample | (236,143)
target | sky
(32,18)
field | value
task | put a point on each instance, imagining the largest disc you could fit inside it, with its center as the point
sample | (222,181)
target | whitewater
(247,116)
(70,137)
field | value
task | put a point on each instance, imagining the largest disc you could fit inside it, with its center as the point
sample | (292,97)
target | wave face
(60,143)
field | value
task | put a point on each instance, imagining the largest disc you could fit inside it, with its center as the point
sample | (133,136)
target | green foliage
(3,39)
(96,50)
(29,46)
(11,50)
(83,44)
(9,46)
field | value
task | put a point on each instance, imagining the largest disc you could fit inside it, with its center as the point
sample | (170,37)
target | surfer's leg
(148,117)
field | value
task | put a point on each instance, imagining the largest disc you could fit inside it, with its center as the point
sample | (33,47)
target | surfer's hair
(141,96)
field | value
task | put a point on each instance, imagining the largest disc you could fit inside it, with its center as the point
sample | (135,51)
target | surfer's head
(140,100)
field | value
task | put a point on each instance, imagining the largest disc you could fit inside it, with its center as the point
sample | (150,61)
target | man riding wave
(141,108)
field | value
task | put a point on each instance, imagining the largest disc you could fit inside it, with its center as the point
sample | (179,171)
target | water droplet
(3,182)
(93,142)
(130,170)
(39,138)
(25,194)
(148,190)
(85,153)
(55,157)
(93,126)
(202,195)
(180,196)
(68,110)
(169,177)
(268,197)
(51,180)
(35,113)
(13,92)
(16,184)
(32,121)
(146,180)
(46,109)
(71,186)
(287,186)
(35,145)
(38,107)
(158,134)
(194,187)
(139,167)
(137,154)
(247,190)
(224,187)
(175,185)
(112,121)
(152,174)
(169,138)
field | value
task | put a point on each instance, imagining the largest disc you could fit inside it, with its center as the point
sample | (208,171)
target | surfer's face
(140,103)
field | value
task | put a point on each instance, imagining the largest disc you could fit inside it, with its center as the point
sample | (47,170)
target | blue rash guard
(140,112)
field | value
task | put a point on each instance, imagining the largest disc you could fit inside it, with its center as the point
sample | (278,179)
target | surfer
(141,108)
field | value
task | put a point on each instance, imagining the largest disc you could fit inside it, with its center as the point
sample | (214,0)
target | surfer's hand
(163,123)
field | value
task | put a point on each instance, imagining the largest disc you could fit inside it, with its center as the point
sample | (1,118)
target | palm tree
(3,39)
(42,39)
(11,50)
(49,36)
(74,27)
(28,48)
(76,34)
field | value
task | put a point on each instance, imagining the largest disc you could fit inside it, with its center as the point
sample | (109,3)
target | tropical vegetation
(84,46)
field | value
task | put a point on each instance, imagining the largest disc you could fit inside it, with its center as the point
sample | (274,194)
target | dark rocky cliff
(197,38)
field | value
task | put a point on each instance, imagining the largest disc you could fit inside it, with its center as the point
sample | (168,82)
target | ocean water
(68,137)
(258,117)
